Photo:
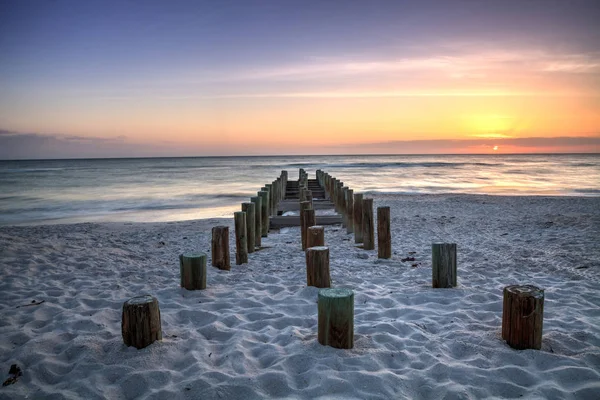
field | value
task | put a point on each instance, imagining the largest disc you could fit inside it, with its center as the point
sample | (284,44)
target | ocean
(169,189)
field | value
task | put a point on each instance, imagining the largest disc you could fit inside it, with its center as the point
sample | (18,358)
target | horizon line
(303,155)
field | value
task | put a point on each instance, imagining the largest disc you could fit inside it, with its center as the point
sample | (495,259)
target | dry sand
(252,332)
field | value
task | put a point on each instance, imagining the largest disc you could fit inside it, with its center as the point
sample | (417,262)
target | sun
(495,148)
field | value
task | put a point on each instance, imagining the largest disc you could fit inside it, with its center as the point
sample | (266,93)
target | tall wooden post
(241,241)
(317,267)
(257,200)
(358,226)
(308,220)
(336,318)
(315,236)
(249,209)
(334,193)
(344,207)
(220,247)
(367,224)
(304,205)
(350,211)
(523,316)
(384,233)
(264,212)
(443,265)
(140,321)
(192,269)
(271,199)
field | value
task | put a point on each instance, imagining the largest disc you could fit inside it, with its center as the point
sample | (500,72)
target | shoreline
(252,332)
(373,194)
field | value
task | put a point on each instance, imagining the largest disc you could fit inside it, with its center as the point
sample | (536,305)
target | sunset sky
(158,78)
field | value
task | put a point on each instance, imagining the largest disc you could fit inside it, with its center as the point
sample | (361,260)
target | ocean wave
(435,164)
(21,170)
(587,191)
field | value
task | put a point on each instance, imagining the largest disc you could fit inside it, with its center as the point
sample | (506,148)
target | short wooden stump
(443,265)
(336,318)
(220,247)
(192,267)
(523,316)
(317,267)
(315,236)
(140,322)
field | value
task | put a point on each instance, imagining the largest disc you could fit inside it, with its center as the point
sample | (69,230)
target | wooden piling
(523,316)
(192,270)
(269,186)
(349,211)
(257,200)
(140,321)
(367,224)
(344,207)
(317,267)
(384,233)
(250,210)
(220,247)
(308,220)
(336,318)
(443,265)
(241,241)
(357,213)
(315,236)
(264,212)
(304,205)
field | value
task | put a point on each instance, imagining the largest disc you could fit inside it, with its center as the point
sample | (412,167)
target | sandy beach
(252,333)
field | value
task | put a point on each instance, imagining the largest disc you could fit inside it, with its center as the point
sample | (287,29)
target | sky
(190,78)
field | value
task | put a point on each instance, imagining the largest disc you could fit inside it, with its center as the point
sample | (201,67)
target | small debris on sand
(14,372)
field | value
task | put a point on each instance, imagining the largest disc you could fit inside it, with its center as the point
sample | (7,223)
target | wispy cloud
(473,65)
(447,72)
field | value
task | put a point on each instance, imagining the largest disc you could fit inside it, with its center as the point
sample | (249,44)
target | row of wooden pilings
(522,315)
(522,309)
(251,224)
(141,323)
(357,215)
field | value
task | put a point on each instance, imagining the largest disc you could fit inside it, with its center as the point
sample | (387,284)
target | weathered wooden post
(367,224)
(334,194)
(304,205)
(241,241)
(302,193)
(192,268)
(271,198)
(357,212)
(340,196)
(264,212)
(140,321)
(317,267)
(350,211)
(344,198)
(284,177)
(250,210)
(384,233)
(315,236)
(523,316)
(443,265)
(257,200)
(220,247)
(279,191)
(308,220)
(336,318)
